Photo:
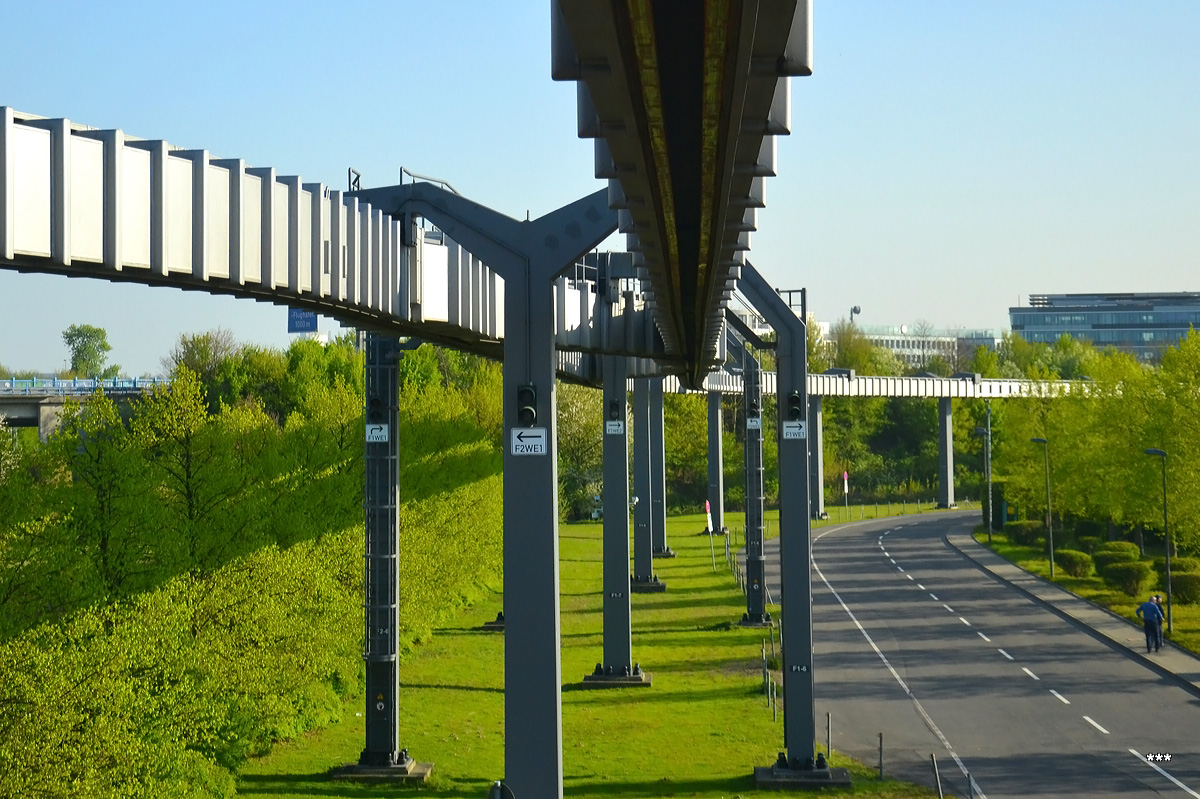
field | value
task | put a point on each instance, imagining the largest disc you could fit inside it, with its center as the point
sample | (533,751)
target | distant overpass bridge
(37,402)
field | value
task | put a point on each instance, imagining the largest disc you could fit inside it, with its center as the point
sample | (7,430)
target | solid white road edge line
(1160,770)
(916,702)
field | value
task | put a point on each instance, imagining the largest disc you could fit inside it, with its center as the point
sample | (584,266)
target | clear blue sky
(947,157)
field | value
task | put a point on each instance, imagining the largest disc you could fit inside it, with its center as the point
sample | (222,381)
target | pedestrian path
(1171,661)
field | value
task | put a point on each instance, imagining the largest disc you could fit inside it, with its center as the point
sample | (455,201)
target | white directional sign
(753,423)
(614,428)
(795,430)
(377,433)
(529,441)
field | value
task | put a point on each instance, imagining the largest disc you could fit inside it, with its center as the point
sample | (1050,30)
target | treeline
(181,579)
(1102,483)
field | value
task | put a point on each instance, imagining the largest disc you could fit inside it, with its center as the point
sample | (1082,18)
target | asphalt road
(915,641)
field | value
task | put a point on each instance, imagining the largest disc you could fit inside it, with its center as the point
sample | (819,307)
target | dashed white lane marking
(901,568)
(964,621)
(1088,719)
(893,560)
(920,586)
(1002,652)
(1159,769)
(947,607)
(1031,674)
(984,637)
(1061,698)
(935,599)
(916,703)
(909,576)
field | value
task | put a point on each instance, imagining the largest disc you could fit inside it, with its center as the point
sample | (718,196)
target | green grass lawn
(698,731)
(1186,618)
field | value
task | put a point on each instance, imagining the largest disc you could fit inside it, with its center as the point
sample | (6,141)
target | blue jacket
(1149,612)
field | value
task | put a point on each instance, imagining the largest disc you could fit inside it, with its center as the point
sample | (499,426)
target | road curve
(915,641)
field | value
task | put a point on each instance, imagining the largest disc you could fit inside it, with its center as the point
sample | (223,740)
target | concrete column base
(796,779)
(665,552)
(411,771)
(652,585)
(601,679)
(763,621)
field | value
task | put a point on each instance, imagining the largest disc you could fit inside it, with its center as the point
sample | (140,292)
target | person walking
(1151,615)
(1158,641)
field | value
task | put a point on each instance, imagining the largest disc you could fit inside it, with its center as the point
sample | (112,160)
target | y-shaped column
(799,714)
(528,255)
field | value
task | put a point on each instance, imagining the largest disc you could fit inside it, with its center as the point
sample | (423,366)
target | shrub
(1185,587)
(1025,533)
(1179,565)
(1073,562)
(1105,559)
(1089,543)
(1132,576)
(1120,546)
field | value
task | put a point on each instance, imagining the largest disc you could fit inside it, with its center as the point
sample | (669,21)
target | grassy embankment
(1095,589)
(699,731)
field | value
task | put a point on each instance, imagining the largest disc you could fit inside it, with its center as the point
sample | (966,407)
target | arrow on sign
(376,429)
(523,436)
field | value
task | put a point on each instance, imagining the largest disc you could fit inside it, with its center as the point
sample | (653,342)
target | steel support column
(756,583)
(816,456)
(945,453)
(716,464)
(381,501)
(528,255)
(618,642)
(658,472)
(799,714)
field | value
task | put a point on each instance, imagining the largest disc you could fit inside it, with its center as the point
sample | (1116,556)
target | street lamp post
(1049,513)
(1166,532)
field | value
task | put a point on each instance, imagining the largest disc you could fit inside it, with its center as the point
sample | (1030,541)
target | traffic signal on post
(527,405)
(375,410)
(614,410)
(795,406)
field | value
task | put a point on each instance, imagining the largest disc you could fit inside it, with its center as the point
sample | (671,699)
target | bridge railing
(59,386)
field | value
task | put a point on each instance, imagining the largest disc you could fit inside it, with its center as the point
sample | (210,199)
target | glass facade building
(1140,324)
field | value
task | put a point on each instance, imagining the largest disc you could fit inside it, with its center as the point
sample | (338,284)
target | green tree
(580,448)
(89,350)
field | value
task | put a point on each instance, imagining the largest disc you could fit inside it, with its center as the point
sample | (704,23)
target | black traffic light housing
(375,410)
(795,406)
(527,404)
(614,410)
